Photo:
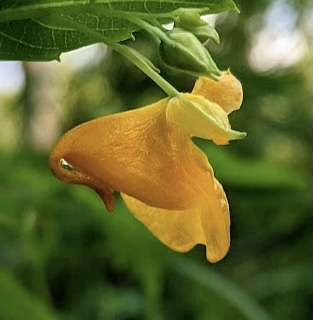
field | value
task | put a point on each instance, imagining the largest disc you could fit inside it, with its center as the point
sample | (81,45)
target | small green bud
(185,53)
(192,22)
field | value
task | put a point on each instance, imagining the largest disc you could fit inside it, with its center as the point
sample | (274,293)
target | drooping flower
(148,156)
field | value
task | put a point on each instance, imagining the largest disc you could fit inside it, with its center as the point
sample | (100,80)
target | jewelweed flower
(147,154)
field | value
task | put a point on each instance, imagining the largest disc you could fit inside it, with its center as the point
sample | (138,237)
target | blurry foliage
(63,257)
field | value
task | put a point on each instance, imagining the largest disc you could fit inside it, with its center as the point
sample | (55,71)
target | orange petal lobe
(226,92)
(207,222)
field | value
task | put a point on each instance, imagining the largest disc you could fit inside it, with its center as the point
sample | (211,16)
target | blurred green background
(63,257)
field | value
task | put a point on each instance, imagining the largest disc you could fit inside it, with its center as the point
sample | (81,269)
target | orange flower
(148,156)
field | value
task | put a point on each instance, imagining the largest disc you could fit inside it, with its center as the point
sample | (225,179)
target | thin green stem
(133,18)
(158,32)
(132,55)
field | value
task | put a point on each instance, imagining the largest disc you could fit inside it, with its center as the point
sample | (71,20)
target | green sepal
(185,53)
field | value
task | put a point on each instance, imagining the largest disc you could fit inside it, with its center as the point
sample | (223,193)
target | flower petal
(201,118)
(136,152)
(226,92)
(206,223)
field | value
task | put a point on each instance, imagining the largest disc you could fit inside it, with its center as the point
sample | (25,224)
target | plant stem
(143,66)
(133,18)
(132,55)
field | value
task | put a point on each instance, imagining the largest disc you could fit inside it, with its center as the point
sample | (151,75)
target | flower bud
(192,22)
(185,53)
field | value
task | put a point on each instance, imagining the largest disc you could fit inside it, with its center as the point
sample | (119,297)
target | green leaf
(31,30)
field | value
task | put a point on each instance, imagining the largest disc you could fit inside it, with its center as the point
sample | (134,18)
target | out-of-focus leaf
(108,303)
(285,279)
(251,173)
(16,303)
(222,286)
